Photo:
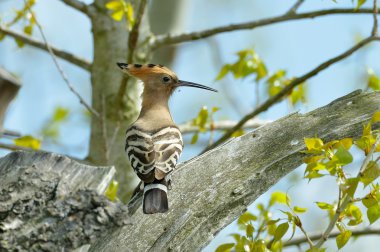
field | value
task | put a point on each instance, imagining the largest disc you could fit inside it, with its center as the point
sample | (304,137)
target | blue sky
(297,46)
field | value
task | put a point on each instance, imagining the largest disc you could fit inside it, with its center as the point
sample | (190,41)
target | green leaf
(60,114)
(114,5)
(28,30)
(313,144)
(278,197)
(249,230)
(223,72)
(225,247)
(343,238)
(298,209)
(238,133)
(360,3)
(369,201)
(371,172)
(111,192)
(28,142)
(129,13)
(355,215)
(19,43)
(342,156)
(194,139)
(281,231)
(117,15)
(373,213)
(324,206)
(376,117)
(245,218)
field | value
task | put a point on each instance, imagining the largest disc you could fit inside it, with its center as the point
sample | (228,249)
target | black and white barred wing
(141,154)
(153,155)
(168,145)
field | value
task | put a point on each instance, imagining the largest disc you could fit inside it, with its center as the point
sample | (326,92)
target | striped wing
(153,155)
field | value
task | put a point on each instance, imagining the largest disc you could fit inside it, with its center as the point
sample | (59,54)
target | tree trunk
(110,46)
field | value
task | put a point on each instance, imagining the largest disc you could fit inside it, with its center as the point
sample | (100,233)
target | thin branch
(85,64)
(222,125)
(104,127)
(300,240)
(62,73)
(374,28)
(307,237)
(13,147)
(9,133)
(295,7)
(78,5)
(297,81)
(162,40)
(347,199)
(132,43)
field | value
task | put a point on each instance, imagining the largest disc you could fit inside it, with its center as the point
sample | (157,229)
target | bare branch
(347,199)
(13,147)
(41,45)
(132,42)
(211,190)
(162,40)
(9,133)
(297,81)
(78,5)
(300,240)
(374,28)
(62,73)
(187,127)
(295,7)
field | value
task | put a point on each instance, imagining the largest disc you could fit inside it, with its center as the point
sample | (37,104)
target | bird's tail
(155,197)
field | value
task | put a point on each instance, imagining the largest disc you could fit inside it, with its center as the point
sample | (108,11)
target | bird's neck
(155,110)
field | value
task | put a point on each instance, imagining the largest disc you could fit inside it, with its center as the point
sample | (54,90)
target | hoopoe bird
(154,142)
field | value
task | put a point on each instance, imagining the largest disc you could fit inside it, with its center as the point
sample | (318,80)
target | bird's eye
(166,79)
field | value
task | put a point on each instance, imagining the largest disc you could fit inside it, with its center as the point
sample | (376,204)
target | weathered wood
(49,202)
(9,87)
(212,190)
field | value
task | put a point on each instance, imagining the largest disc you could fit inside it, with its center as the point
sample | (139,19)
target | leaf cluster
(249,64)
(120,9)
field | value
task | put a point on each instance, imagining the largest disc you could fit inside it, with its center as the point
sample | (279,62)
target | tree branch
(41,45)
(14,147)
(374,28)
(61,72)
(300,240)
(286,90)
(169,39)
(187,127)
(78,5)
(132,43)
(212,190)
(295,7)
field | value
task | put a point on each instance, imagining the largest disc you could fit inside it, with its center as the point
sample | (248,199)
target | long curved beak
(182,83)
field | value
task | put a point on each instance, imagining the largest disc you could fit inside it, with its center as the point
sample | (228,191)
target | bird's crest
(143,70)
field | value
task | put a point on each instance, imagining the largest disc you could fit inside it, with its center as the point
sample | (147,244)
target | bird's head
(157,77)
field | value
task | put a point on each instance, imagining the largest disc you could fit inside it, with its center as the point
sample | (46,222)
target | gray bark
(49,202)
(212,190)
(9,87)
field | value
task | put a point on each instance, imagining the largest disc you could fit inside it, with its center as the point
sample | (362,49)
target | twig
(132,42)
(64,77)
(80,6)
(307,237)
(295,7)
(347,199)
(297,81)
(113,139)
(300,240)
(13,147)
(168,39)
(374,28)
(187,127)
(10,133)
(41,45)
